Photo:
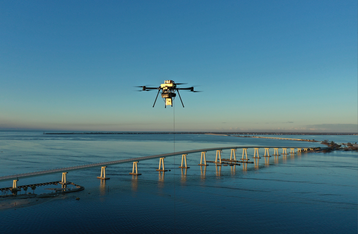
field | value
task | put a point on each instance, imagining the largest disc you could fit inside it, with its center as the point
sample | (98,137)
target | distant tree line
(334,146)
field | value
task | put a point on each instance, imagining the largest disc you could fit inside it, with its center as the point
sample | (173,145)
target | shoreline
(280,138)
(207,133)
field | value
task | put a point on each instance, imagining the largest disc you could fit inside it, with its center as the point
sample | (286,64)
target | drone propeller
(143,90)
(180,83)
(146,88)
(192,89)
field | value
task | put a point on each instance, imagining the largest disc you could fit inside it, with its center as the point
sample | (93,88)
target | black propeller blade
(192,89)
(146,88)
(143,87)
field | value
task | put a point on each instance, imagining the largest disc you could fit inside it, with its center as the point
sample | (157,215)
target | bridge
(203,162)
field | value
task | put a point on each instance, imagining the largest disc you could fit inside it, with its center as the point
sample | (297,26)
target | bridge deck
(66,169)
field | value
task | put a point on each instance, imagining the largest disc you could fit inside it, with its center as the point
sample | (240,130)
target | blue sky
(262,65)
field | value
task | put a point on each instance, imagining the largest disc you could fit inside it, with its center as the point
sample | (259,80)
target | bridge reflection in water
(233,169)
(102,187)
(218,162)
(202,172)
(134,183)
(183,174)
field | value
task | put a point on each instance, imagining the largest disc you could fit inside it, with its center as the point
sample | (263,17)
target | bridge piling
(14,184)
(183,159)
(244,153)
(256,153)
(203,157)
(233,154)
(135,169)
(292,151)
(284,151)
(103,174)
(64,178)
(267,152)
(275,152)
(218,153)
(161,165)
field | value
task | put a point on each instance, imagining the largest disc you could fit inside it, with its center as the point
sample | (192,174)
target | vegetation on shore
(344,146)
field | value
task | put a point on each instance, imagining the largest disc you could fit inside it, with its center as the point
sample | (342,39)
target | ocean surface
(307,193)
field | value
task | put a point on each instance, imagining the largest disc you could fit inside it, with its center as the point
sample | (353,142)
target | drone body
(168,89)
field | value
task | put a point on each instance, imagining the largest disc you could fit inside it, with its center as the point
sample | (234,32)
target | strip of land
(212,133)
(280,138)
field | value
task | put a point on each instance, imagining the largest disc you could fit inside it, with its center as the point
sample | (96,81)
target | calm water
(310,193)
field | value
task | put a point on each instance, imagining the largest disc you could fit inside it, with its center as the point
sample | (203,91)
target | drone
(168,90)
